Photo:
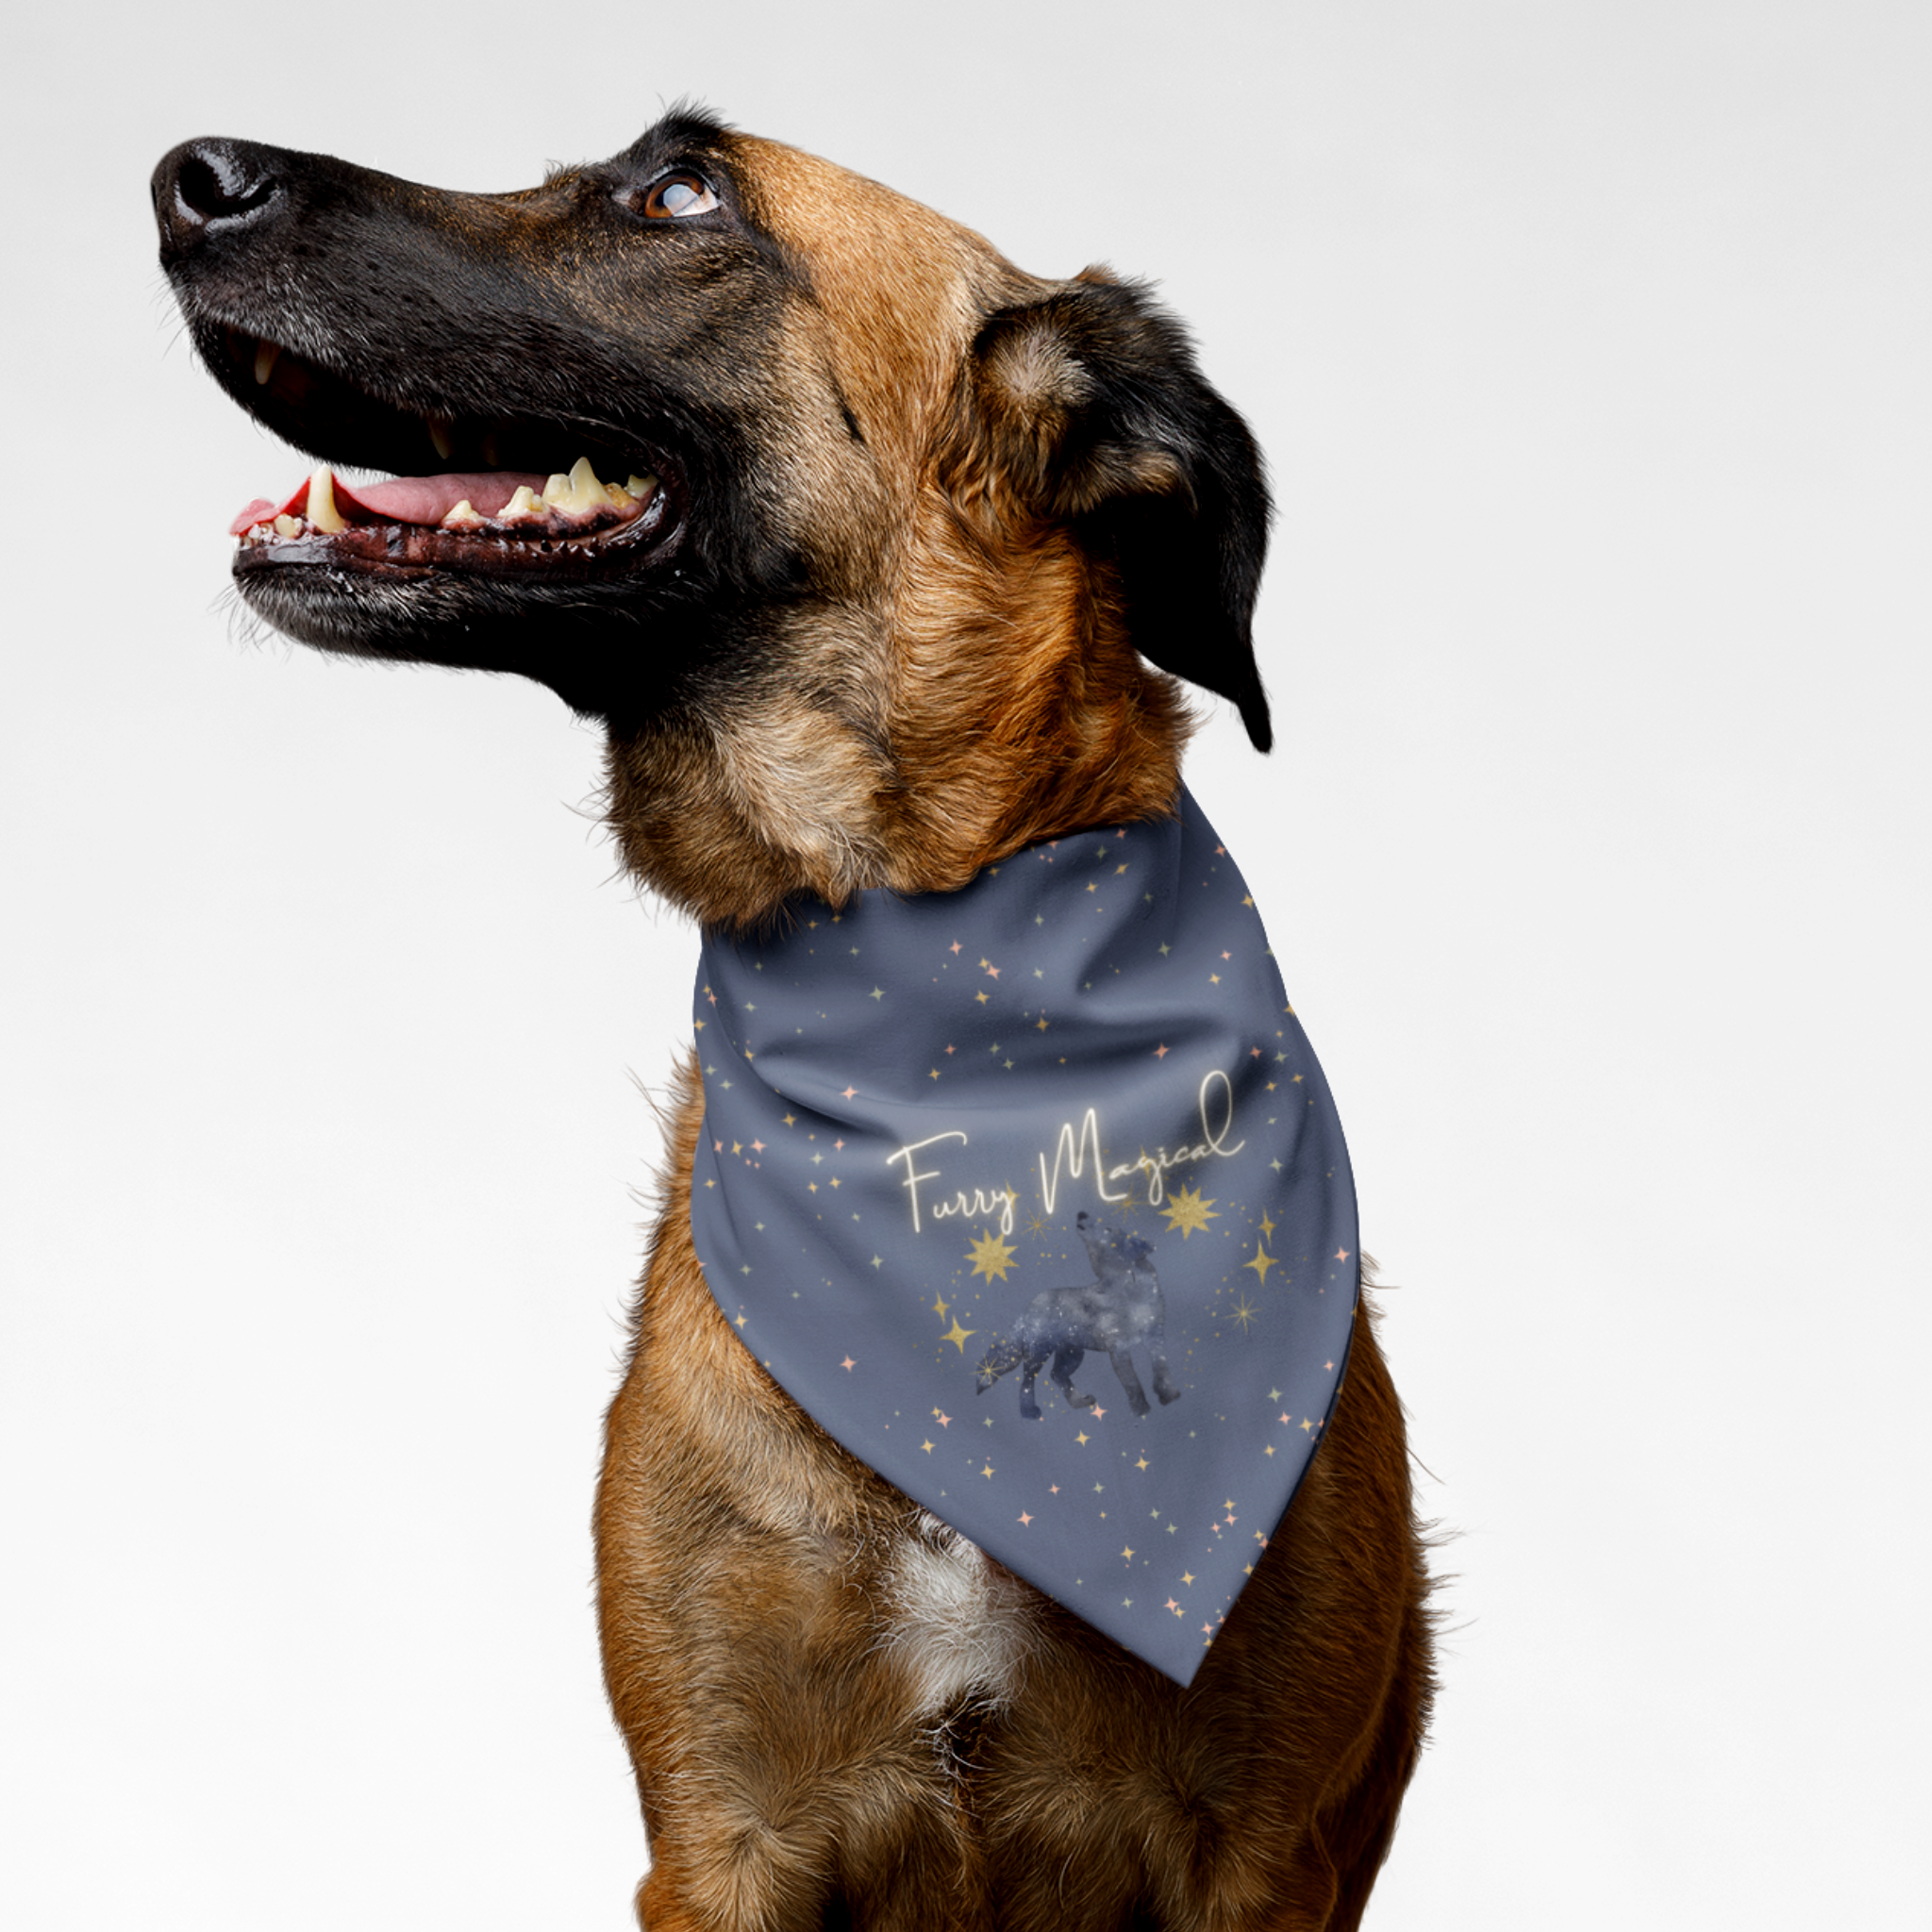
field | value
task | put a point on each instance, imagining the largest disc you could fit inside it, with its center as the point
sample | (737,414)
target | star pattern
(1188,1214)
(991,1257)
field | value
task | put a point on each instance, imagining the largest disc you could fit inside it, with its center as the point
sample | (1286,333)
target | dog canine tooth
(321,511)
(265,353)
(585,492)
(439,439)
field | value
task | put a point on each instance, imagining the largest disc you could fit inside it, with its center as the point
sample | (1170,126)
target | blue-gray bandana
(1033,1195)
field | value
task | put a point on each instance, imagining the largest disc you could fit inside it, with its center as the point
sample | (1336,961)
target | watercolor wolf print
(901,556)
(1124,1310)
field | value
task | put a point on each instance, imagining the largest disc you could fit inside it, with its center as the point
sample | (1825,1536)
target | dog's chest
(957,1623)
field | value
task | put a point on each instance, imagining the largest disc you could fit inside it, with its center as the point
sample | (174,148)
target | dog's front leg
(748,1578)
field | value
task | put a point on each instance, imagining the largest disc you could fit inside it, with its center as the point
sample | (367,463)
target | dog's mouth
(593,504)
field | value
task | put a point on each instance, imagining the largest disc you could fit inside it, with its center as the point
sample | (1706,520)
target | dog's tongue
(424,500)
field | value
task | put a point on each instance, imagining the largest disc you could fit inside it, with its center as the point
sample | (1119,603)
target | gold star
(1190,1212)
(1267,1228)
(927,1447)
(1187,1577)
(940,1305)
(1141,1464)
(957,1335)
(1128,1553)
(987,1471)
(1081,1436)
(1261,1262)
(990,1255)
(1244,1314)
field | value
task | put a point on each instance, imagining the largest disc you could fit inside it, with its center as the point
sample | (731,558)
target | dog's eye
(676,195)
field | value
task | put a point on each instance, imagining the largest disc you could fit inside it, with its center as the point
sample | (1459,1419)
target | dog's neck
(1002,707)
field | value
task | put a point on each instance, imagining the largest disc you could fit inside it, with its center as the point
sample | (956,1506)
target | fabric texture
(1034,1196)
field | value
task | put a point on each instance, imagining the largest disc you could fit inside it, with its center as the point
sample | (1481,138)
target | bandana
(1033,1195)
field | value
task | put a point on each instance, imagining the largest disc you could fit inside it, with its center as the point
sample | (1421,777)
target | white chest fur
(958,1623)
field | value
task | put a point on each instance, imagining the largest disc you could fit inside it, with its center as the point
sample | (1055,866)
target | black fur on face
(529,329)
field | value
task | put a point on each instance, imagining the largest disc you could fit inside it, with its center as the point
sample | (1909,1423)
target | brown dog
(901,531)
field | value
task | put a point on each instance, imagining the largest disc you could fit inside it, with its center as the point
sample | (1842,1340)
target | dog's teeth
(577,491)
(439,437)
(465,513)
(288,527)
(265,353)
(585,491)
(523,504)
(642,485)
(321,503)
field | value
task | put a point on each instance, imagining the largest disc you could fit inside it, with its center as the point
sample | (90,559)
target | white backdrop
(1589,345)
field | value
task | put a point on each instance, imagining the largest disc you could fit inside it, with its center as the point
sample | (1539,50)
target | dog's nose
(213,187)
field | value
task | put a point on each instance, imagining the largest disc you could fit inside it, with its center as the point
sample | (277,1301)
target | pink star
(994,970)
(1341,1253)
(848,1364)
(1025,1518)
(1227,955)
(1160,1053)
(758,1147)
(954,946)
(1254,1052)
(717,1146)
(848,1094)
(1055,1488)
(945,1422)
(1174,1606)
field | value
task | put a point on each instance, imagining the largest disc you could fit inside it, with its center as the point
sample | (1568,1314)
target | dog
(878,561)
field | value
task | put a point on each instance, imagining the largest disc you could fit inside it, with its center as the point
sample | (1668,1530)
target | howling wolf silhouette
(1124,1308)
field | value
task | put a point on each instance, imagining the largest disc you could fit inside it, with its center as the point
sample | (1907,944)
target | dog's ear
(1086,406)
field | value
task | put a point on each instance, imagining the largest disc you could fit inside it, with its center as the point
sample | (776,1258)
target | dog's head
(860,541)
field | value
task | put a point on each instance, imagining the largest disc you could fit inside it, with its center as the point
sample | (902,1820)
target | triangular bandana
(1034,1196)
